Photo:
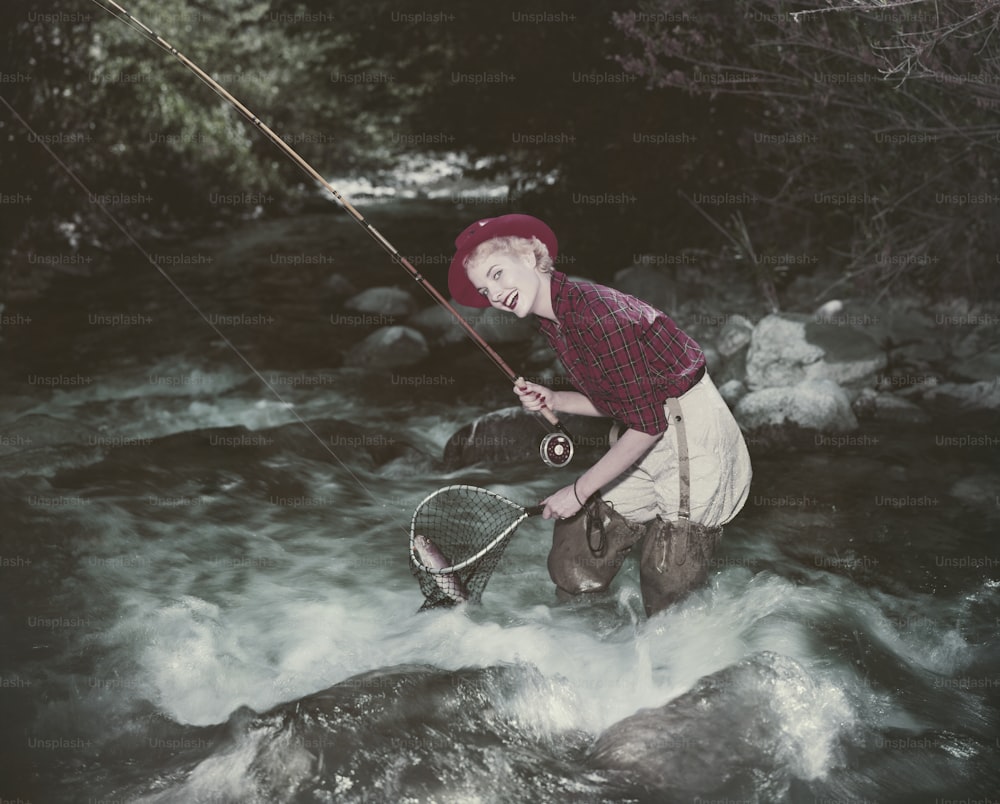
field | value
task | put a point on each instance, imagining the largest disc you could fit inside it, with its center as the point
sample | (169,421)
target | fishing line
(288,405)
(557,448)
(474,514)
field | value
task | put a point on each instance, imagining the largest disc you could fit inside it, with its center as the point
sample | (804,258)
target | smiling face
(510,280)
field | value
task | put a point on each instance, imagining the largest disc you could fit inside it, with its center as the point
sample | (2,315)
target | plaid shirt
(627,357)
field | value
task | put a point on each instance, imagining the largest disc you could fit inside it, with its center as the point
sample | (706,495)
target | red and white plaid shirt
(624,355)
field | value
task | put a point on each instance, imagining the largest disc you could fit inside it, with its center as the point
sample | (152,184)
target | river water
(206,602)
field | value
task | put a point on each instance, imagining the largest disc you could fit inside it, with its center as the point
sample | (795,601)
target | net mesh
(457,538)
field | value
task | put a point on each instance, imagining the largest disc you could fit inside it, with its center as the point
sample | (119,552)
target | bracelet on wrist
(577,494)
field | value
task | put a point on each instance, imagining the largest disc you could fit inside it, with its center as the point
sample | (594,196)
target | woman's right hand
(534,396)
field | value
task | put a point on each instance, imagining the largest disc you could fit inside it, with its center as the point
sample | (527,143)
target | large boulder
(787,349)
(816,405)
(851,357)
(904,326)
(389,347)
(513,435)
(727,732)
(779,352)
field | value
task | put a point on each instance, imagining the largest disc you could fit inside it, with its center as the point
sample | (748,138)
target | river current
(206,602)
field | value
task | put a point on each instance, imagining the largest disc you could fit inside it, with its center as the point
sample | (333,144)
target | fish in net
(457,536)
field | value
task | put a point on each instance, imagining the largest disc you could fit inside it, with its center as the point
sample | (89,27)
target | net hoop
(465,563)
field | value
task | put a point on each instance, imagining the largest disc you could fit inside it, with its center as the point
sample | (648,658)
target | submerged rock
(438,324)
(36,430)
(984,366)
(950,396)
(41,444)
(977,490)
(389,347)
(888,407)
(387,301)
(340,285)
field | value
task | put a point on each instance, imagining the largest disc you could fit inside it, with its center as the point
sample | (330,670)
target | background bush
(864,134)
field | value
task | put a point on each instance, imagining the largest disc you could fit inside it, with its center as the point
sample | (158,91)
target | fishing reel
(556,450)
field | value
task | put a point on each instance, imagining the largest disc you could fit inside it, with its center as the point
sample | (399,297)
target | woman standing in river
(679,471)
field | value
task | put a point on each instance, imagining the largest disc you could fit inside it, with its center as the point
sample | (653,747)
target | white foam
(204,660)
(308,619)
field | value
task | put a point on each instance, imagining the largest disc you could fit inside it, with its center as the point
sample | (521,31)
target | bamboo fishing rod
(556,448)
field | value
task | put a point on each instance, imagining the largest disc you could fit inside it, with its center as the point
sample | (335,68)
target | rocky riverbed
(800,376)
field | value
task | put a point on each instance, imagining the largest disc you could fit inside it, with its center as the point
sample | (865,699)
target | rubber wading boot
(675,560)
(588,548)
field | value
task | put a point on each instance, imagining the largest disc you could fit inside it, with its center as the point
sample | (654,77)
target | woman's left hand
(562,504)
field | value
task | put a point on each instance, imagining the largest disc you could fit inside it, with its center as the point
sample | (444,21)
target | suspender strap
(683,525)
(684,463)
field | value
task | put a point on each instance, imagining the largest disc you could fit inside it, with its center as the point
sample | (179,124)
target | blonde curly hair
(524,248)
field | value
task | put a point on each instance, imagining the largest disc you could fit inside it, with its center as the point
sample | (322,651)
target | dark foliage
(870,127)
(614,124)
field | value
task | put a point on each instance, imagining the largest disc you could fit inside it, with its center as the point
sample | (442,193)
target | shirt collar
(559,302)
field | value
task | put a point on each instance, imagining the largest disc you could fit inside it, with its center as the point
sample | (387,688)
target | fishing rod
(556,448)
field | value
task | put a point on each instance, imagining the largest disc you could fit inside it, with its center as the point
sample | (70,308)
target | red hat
(479,232)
